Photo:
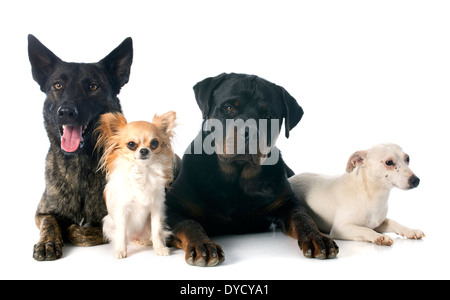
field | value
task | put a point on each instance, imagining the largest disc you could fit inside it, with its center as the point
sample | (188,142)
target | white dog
(138,160)
(354,206)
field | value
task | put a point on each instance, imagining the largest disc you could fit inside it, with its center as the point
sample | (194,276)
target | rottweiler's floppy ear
(292,111)
(118,63)
(42,60)
(204,91)
(356,160)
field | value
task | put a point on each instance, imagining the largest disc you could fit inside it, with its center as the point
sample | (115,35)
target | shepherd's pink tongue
(71,138)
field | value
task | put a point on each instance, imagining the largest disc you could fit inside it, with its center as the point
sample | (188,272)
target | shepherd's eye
(58,85)
(389,163)
(132,146)
(93,86)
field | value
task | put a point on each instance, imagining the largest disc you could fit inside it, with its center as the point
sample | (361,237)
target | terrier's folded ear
(356,160)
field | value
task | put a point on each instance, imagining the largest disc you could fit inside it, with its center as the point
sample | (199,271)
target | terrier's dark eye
(132,146)
(407,159)
(389,163)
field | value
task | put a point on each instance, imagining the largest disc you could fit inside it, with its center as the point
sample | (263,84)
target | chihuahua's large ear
(292,111)
(118,63)
(43,61)
(165,122)
(108,125)
(204,92)
(356,160)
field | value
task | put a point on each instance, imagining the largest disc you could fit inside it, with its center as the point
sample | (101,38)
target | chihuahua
(354,206)
(138,160)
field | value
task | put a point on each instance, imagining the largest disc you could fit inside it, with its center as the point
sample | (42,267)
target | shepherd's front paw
(47,251)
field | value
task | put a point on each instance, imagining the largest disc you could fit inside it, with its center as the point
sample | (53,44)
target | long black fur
(219,195)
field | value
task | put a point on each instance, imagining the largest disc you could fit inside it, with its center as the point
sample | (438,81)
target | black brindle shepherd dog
(72,206)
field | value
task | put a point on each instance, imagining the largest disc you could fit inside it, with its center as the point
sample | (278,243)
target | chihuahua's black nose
(144,151)
(67,113)
(413,181)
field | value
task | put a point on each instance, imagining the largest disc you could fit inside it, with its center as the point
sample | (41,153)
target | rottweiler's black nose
(413,181)
(67,113)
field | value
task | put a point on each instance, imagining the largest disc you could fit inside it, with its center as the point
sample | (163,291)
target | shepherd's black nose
(67,113)
(144,151)
(413,181)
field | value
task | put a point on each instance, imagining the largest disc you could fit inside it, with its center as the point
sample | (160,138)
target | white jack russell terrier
(354,206)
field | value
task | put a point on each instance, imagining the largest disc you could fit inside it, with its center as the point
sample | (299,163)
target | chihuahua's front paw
(412,234)
(120,253)
(163,251)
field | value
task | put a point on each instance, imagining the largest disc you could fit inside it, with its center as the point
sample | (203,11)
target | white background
(364,72)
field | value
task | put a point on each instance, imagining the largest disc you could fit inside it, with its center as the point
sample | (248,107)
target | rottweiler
(72,206)
(227,187)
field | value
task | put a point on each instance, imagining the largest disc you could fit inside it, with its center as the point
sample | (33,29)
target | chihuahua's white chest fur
(135,200)
(138,160)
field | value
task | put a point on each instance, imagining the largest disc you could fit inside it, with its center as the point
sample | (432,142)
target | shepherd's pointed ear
(118,63)
(42,60)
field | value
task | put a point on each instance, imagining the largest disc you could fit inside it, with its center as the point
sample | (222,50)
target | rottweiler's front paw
(204,254)
(319,246)
(47,251)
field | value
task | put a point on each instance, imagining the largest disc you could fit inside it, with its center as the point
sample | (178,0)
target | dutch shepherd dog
(72,206)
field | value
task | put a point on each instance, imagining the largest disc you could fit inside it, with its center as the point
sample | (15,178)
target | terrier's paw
(382,240)
(412,234)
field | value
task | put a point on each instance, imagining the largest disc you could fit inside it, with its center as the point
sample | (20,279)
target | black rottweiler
(227,191)
(72,206)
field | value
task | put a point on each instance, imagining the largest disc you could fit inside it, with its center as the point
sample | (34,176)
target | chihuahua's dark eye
(389,163)
(132,146)
(154,144)
(407,159)
(93,86)
(58,85)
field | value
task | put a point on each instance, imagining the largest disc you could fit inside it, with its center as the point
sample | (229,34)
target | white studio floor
(248,257)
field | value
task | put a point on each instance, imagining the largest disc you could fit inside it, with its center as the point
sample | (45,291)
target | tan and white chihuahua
(138,160)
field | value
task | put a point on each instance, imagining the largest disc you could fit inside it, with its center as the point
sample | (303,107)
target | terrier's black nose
(413,181)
